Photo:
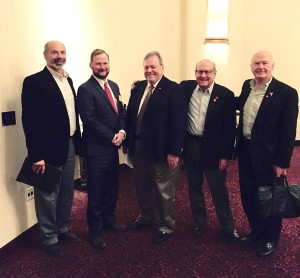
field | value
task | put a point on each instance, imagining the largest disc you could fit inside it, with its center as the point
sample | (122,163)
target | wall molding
(13,245)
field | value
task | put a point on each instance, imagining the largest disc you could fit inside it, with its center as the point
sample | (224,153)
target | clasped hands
(117,141)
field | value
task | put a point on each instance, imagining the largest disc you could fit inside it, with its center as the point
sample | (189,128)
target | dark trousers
(216,181)
(102,189)
(268,229)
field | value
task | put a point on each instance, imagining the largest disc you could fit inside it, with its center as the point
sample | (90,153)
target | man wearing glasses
(209,145)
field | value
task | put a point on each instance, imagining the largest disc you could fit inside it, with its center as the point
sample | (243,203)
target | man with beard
(51,127)
(101,112)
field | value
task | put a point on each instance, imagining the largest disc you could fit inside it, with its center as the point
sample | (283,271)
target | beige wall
(127,30)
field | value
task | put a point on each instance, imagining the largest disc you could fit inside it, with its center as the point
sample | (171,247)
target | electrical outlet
(29,193)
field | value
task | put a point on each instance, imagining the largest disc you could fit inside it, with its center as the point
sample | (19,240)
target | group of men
(163,119)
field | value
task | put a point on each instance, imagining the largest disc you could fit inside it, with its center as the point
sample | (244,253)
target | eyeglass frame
(206,72)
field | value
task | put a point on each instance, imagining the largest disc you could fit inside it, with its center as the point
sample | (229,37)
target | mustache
(59,60)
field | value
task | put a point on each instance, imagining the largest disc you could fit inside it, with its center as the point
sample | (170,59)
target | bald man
(51,127)
(209,145)
(265,141)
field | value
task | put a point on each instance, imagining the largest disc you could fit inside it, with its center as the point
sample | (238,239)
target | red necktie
(108,93)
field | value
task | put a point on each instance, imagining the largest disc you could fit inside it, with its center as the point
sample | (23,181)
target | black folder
(46,181)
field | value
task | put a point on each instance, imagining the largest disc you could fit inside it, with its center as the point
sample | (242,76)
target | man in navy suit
(51,127)
(209,143)
(265,141)
(102,114)
(156,126)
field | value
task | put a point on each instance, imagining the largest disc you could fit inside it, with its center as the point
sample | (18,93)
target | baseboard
(297,143)
(13,245)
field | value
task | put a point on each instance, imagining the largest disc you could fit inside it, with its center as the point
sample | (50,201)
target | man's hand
(117,141)
(172,161)
(39,167)
(223,164)
(133,84)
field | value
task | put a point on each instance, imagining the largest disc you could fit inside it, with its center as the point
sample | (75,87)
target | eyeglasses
(206,72)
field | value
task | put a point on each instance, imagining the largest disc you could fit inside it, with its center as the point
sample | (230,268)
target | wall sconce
(217,21)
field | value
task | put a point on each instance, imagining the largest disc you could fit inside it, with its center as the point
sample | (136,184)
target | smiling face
(55,55)
(153,69)
(100,65)
(205,73)
(262,66)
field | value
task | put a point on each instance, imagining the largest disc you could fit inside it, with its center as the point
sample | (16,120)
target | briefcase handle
(280,181)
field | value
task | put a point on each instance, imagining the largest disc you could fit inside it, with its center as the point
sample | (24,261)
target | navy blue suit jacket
(164,122)
(100,120)
(220,124)
(45,119)
(274,130)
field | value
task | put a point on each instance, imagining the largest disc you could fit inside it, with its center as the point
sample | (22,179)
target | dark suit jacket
(100,121)
(220,124)
(45,119)
(164,122)
(274,130)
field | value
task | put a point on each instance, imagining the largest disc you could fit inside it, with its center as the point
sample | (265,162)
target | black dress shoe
(161,237)
(68,236)
(137,224)
(266,249)
(232,235)
(97,242)
(55,250)
(198,231)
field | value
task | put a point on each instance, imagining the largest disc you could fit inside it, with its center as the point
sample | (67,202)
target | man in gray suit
(51,127)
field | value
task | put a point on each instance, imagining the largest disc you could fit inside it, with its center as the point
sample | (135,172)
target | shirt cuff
(123,131)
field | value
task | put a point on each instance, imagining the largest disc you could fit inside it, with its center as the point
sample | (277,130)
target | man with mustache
(102,114)
(51,127)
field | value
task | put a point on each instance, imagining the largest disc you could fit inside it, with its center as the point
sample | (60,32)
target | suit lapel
(214,98)
(101,91)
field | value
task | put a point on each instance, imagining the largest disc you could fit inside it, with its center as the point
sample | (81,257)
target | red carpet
(132,254)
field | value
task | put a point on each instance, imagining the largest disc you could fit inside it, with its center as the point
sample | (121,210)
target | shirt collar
(58,75)
(209,89)
(263,86)
(154,85)
(100,81)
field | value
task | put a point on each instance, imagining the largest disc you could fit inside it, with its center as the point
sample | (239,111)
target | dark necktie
(108,93)
(142,110)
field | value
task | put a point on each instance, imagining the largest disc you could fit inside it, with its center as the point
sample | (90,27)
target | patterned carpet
(132,254)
